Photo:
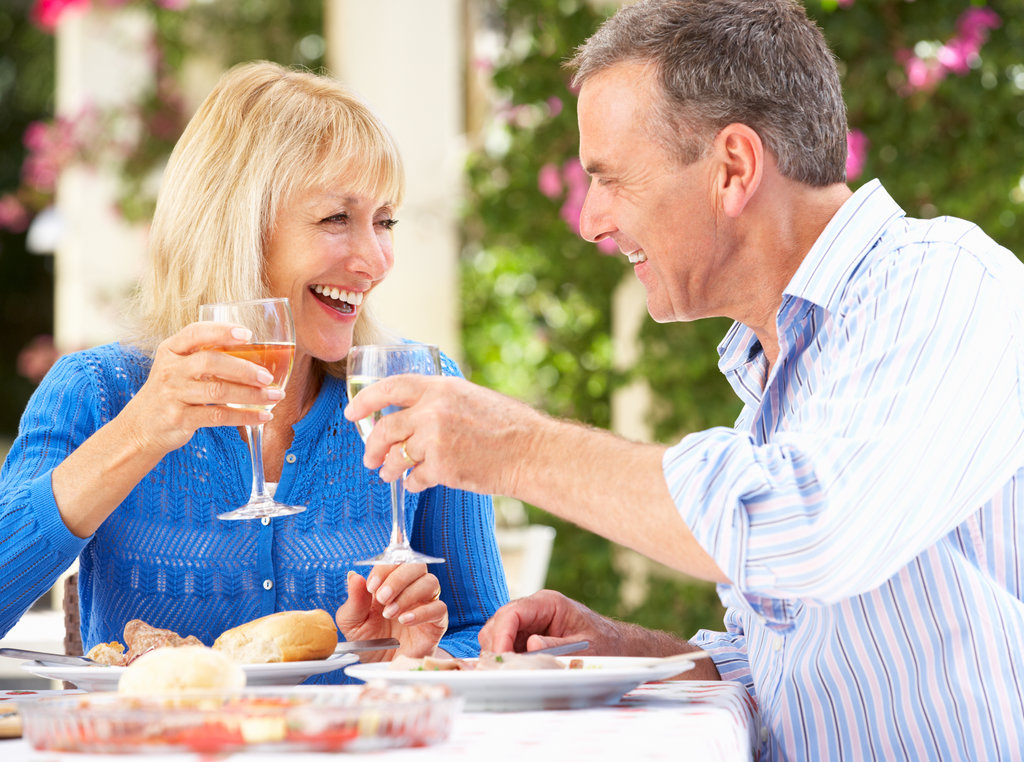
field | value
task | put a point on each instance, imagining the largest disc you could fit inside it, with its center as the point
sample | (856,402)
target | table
(673,720)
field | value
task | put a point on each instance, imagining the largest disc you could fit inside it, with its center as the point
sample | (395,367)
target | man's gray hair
(762,63)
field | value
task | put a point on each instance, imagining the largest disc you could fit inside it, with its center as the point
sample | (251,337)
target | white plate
(105,678)
(602,680)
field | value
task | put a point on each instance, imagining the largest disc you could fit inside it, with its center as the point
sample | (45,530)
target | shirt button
(764,733)
(265,520)
(777,645)
(267,584)
(290,457)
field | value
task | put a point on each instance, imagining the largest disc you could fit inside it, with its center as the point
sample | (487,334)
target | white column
(405,59)
(102,61)
(630,403)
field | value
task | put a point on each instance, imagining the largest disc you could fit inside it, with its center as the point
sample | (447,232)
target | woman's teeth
(352,297)
(636,257)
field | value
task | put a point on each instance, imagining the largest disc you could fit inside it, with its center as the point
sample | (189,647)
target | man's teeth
(636,257)
(352,297)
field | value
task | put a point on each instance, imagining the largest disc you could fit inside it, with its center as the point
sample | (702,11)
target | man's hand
(548,618)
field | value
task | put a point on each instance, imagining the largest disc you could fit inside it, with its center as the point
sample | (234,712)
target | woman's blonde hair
(264,133)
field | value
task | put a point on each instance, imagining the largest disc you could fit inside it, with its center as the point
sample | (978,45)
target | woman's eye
(341,217)
(388,224)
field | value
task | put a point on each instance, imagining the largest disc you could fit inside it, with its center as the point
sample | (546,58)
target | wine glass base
(262,510)
(400,556)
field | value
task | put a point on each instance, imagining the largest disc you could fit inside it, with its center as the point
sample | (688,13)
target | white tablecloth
(683,720)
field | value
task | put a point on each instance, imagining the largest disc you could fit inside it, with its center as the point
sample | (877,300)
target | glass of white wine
(273,346)
(367,364)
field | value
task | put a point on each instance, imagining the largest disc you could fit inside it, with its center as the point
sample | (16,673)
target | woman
(282,185)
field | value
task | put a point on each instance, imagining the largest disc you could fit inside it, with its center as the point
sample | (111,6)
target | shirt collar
(849,236)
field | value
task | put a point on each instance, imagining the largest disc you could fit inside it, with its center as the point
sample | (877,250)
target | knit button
(265,520)
(267,584)
(290,457)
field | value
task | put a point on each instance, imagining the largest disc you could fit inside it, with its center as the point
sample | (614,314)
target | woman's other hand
(400,602)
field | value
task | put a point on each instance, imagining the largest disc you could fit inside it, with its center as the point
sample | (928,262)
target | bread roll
(284,636)
(180,670)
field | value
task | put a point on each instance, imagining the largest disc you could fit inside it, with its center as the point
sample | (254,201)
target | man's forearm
(610,486)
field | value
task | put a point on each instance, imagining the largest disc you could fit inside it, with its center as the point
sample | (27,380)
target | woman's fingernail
(407,617)
(264,376)
(385,594)
(389,611)
(241,333)
(274,394)
(372,584)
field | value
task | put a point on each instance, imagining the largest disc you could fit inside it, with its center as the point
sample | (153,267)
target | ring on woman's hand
(437,595)
(407,456)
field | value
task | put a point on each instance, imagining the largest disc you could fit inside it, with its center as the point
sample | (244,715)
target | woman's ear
(742,157)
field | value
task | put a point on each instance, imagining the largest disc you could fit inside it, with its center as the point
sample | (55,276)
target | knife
(355,646)
(47,658)
(564,648)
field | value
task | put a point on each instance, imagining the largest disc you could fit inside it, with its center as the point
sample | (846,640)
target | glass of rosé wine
(272,345)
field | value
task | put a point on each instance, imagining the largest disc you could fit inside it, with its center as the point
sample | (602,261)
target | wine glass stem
(259,486)
(398,538)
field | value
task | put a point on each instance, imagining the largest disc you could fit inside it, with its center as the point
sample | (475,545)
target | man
(864,515)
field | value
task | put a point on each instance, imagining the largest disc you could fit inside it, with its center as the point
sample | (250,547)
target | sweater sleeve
(35,545)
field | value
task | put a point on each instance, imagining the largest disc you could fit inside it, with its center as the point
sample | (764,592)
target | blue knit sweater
(164,557)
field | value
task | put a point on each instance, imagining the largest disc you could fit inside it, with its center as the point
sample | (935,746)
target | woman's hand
(188,387)
(395,602)
(191,383)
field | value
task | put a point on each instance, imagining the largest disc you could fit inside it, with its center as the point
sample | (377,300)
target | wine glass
(367,364)
(272,345)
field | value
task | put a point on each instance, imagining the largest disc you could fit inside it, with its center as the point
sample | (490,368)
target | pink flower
(549,181)
(845,3)
(554,106)
(956,55)
(35,359)
(46,13)
(856,153)
(13,214)
(173,5)
(922,74)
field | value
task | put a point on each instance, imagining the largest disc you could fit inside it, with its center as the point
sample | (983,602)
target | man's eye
(388,224)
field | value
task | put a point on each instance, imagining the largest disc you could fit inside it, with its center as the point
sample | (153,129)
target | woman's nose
(373,255)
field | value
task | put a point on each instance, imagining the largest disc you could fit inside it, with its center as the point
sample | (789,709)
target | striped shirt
(868,505)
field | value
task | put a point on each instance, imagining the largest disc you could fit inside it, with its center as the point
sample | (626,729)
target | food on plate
(487,661)
(284,636)
(140,638)
(181,670)
(10,721)
(111,654)
(343,718)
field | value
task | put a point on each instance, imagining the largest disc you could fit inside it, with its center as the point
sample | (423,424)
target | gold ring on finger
(406,456)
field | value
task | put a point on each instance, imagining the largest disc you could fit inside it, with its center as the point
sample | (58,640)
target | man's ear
(742,157)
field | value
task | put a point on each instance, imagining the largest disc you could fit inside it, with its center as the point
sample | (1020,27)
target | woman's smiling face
(327,249)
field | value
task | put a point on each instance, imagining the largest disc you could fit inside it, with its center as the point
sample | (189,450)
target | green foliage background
(537,299)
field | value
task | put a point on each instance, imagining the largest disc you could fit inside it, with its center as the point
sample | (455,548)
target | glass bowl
(351,718)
